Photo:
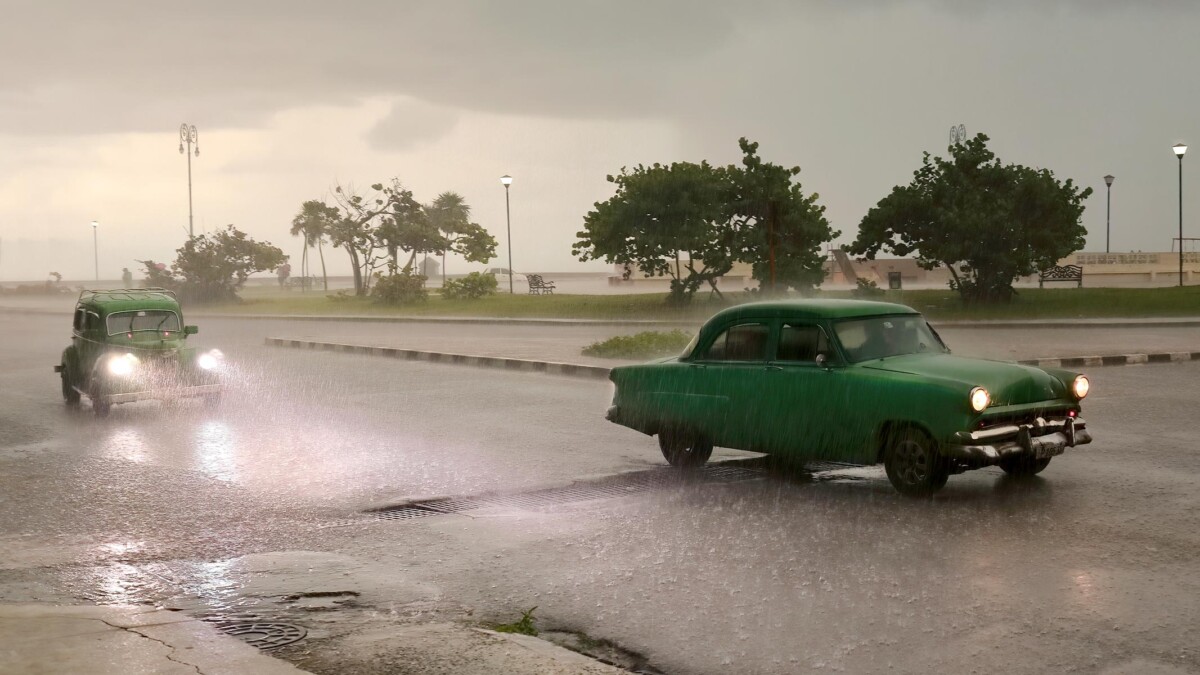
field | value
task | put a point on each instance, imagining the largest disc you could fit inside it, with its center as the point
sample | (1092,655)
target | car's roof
(815,309)
(129,300)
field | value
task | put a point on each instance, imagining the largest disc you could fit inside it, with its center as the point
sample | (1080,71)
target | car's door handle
(699,366)
(774,367)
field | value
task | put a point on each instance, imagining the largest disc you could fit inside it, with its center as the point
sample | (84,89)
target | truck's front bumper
(1040,439)
(163,394)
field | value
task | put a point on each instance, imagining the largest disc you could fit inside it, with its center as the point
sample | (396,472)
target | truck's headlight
(980,399)
(210,360)
(1080,387)
(122,365)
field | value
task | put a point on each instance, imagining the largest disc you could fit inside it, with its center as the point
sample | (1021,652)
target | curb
(522,365)
(1116,360)
(601,372)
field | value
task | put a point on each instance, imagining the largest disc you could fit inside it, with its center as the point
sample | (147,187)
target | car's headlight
(980,399)
(122,365)
(1080,387)
(210,360)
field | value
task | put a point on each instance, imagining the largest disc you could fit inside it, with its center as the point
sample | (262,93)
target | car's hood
(1008,383)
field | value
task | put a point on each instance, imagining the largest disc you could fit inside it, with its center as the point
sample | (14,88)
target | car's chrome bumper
(1043,438)
(163,394)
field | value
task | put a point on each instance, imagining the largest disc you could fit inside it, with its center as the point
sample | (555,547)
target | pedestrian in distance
(284,271)
(126,278)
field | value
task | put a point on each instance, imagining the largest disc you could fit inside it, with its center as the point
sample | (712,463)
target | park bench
(538,286)
(1062,273)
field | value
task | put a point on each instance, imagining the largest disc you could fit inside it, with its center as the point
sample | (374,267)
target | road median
(601,372)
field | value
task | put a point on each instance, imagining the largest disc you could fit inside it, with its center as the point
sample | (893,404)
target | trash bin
(894,281)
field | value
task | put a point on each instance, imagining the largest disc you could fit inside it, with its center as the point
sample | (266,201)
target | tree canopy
(692,222)
(388,226)
(987,222)
(213,267)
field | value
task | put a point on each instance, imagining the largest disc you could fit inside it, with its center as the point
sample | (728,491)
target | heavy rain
(536,355)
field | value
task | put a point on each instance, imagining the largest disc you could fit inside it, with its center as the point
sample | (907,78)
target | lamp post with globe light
(1180,149)
(506,180)
(1108,180)
(96,248)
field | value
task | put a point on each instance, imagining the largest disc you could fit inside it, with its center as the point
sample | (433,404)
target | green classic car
(849,381)
(130,345)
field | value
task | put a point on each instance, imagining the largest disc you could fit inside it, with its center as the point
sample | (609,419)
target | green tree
(987,222)
(668,221)
(213,267)
(314,222)
(775,219)
(451,215)
(355,231)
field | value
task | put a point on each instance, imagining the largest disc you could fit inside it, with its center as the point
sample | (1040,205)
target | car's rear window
(143,320)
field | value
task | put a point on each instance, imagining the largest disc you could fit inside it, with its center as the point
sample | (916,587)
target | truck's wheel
(684,449)
(913,464)
(1024,465)
(70,395)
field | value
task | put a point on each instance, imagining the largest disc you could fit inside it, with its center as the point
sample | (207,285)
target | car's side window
(80,313)
(92,322)
(743,342)
(799,343)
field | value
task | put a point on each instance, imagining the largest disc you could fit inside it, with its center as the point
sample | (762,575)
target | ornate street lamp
(506,180)
(188,135)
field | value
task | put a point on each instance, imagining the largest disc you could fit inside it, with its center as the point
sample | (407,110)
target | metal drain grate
(610,487)
(263,634)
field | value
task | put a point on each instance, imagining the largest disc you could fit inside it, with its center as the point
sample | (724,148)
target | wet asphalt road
(1091,567)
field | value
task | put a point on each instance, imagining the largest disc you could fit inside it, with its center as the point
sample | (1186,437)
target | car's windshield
(883,336)
(143,320)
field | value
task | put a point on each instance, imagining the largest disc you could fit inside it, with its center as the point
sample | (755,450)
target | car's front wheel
(913,464)
(1024,465)
(684,449)
(70,394)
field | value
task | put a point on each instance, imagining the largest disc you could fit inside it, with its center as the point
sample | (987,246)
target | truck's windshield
(144,320)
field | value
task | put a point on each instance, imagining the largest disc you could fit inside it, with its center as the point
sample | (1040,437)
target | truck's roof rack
(91,293)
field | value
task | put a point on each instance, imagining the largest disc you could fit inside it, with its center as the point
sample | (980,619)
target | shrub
(867,289)
(399,288)
(474,285)
(644,345)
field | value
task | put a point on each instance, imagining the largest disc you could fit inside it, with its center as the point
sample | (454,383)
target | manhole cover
(265,635)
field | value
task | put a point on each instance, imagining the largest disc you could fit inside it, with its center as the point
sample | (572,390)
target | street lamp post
(96,248)
(188,135)
(506,180)
(1179,149)
(1108,180)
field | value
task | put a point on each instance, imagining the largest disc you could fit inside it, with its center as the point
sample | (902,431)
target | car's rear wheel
(684,449)
(70,394)
(1024,465)
(913,464)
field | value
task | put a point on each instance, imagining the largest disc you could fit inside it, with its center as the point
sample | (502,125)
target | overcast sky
(294,96)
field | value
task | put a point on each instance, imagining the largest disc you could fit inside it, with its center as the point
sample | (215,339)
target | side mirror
(191,330)
(822,360)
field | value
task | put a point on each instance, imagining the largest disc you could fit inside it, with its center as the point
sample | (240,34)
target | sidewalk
(118,640)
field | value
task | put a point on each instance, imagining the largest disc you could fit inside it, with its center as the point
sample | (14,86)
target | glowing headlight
(1081,387)
(980,399)
(122,365)
(209,360)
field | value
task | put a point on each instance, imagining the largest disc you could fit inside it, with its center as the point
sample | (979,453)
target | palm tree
(314,222)
(450,214)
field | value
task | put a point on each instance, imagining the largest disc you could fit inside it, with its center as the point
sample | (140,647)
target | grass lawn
(1057,303)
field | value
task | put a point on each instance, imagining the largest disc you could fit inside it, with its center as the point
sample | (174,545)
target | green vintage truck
(131,345)
(850,381)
